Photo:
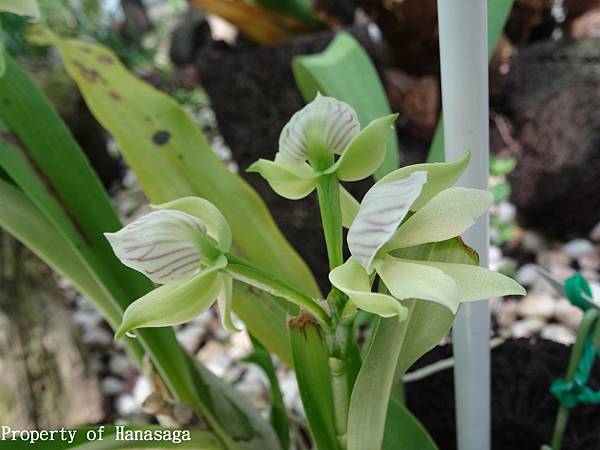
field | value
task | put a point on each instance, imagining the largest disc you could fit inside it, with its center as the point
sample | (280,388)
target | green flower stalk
(382,224)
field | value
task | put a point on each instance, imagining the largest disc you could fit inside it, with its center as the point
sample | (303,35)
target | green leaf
(28,8)
(377,422)
(501,166)
(301,9)
(366,151)
(172,159)
(498,11)
(450,213)
(25,222)
(278,414)
(53,173)
(501,191)
(312,372)
(345,71)
(403,431)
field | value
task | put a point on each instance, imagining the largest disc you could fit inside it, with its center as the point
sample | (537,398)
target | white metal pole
(464,70)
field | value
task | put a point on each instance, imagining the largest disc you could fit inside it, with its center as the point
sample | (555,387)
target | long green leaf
(278,414)
(172,159)
(395,347)
(345,71)
(498,11)
(403,431)
(52,172)
(25,222)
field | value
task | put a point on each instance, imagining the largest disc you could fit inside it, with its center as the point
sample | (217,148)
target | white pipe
(464,70)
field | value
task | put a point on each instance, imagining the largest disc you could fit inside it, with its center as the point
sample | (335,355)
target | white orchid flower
(181,245)
(310,141)
(381,224)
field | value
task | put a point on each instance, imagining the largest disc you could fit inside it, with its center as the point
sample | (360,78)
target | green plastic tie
(579,292)
(574,390)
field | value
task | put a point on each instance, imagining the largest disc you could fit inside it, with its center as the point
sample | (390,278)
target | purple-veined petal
(381,211)
(324,121)
(162,245)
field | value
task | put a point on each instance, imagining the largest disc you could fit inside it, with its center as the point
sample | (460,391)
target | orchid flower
(382,224)
(310,140)
(182,246)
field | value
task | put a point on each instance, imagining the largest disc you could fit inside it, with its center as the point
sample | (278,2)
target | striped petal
(162,245)
(208,215)
(352,279)
(174,304)
(405,280)
(447,215)
(323,123)
(381,211)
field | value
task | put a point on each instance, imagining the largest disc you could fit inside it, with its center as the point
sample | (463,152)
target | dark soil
(551,98)
(523,410)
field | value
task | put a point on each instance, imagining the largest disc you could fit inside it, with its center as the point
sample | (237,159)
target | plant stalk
(246,272)
(328,192)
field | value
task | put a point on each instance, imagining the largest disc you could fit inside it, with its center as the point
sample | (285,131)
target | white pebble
(578,248)
(142,390)
(591,261)
(527,327)
(528,275)
(97,336)
(568,314)
(119,364)
(532,241)
(595,233)
(538,304)
(558,333)
(505,212)
(507,313)
(126,405)
(112,386)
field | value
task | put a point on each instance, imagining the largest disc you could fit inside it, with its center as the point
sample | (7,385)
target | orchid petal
(447,215)
(406,279)
(323,123)
(381,211)
(440,176)
(366,152)
(224,302)
(352,279)
(162,245)
(284,180)
(349,206)
(172,304)
(475,282)
(208,214)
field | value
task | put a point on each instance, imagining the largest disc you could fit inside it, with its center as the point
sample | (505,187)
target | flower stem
(328,192)
(244,271)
